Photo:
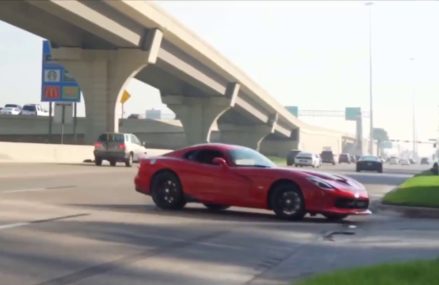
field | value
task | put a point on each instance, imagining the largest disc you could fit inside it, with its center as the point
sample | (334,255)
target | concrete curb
(409,211)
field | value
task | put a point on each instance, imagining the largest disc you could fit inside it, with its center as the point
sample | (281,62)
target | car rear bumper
(114,155)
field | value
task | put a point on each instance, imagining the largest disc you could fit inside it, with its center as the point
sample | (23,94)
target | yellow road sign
(125,97)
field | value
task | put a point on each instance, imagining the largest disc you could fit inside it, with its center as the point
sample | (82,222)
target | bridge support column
(102,76)
(276,146)
(247,135)
(199,114)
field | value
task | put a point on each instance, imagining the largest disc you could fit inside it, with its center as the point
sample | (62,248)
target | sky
(312,54)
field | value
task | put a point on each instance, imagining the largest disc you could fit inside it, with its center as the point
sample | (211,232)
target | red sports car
(221,175)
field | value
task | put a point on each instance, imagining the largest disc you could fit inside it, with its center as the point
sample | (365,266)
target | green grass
(421,190)
(410,273)
(281,161)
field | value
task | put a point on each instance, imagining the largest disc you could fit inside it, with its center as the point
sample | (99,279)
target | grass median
(421,190)
(416,272)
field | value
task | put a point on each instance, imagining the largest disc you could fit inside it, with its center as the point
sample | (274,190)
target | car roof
(215,146)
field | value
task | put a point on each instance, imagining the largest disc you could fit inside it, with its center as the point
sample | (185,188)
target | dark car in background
(291,156)
(425,161)
(370,163)
(327,156)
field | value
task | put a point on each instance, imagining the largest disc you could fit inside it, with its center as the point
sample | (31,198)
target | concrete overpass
(103,44)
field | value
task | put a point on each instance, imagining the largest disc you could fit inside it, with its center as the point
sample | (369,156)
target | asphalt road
(81,224)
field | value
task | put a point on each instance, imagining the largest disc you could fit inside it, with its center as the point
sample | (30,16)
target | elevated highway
(103,44)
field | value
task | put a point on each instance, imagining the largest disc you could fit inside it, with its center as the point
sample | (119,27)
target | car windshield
(11,106)
(111,138)
(248,157)
(369,157)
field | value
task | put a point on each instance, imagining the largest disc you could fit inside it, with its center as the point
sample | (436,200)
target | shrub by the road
(421,190)
(417,272)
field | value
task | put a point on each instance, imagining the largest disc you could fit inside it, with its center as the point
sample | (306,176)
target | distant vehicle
(11,109)
(34,110)
(345,158)
(118,147)
(135,116)
(291,155)
(412,161)
(404,161)
(327,156)
(307,159)
(425,161)
(371,163)
(393,160)
(222,175)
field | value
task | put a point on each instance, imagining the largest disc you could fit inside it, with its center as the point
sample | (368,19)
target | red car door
(212,183)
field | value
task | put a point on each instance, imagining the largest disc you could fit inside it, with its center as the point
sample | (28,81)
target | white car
(34,110)
(11,109)
(404,161)
(307,159)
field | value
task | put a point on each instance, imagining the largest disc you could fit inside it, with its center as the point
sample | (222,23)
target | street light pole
(413,73)
(370,80)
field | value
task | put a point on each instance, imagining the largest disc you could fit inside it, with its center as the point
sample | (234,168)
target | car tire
(129,160)
(113,162)
(216,207)
(98,161)
(380,170)
(166,191)
(335,217)
(287,202)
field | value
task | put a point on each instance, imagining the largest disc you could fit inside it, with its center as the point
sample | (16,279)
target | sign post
(123,99)
(57,85)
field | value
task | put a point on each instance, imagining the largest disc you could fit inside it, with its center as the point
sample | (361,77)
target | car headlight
(319,182)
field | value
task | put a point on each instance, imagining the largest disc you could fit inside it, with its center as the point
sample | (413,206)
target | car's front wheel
(216,207)
(166,191)
(287,202)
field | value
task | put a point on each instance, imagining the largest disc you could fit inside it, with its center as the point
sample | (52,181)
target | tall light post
(413,73)
(369,4)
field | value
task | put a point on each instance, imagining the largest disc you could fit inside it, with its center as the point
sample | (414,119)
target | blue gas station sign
(57,84)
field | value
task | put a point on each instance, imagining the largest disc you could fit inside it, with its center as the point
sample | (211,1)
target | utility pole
(370,80)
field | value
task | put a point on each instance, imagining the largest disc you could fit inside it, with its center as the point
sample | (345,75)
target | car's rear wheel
(216,207)
(98,161)
(167,192)
(113,162)
(287,202)
(335,217)
(129,160)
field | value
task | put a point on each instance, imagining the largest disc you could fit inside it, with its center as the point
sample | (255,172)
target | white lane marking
(64,187)
(23,190)
(10,226)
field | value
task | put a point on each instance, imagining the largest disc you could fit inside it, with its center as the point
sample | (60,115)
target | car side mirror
(219,161)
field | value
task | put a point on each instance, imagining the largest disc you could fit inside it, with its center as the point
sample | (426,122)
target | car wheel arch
(277,183)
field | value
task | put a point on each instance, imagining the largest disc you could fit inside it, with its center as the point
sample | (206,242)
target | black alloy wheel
(287,202)
(216,207)
(167,192)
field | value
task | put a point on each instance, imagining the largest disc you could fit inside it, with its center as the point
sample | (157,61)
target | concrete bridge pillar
(102,76)
(247,135)
(272,145)
(198,114)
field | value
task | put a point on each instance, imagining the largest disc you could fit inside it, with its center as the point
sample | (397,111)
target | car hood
(338,181)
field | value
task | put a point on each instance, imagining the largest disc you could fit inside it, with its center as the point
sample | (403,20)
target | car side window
(205,156)
(135,140)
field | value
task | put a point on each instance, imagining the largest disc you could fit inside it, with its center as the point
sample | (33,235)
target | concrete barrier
(52,153)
